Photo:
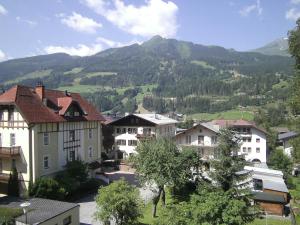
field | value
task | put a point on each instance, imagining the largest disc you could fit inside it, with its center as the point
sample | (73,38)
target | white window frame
(12,143)
(90,152)
(46,136)
(188,139)
(257,150)
(200,139)
(48,161)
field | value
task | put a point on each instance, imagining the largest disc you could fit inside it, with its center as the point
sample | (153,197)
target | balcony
(4,178)
(8,152)
(145,136)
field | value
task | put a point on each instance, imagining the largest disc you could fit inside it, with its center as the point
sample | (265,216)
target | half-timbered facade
(129,130)
(41,130)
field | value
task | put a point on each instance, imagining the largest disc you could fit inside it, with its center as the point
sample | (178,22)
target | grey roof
(268,197)
(156,118)
(40,209)
(287,135)
(276,186)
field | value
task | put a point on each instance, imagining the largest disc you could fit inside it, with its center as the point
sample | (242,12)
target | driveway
(88,204)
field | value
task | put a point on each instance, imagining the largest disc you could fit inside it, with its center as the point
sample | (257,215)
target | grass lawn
(270,222)
(7,214)
(36,74)
(229,115)
(81,88)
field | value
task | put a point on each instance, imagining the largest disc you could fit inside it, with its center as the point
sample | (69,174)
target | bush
(48,188)
(7,215)
(13,183)
(78,170)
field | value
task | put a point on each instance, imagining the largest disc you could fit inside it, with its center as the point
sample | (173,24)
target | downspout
(30,155)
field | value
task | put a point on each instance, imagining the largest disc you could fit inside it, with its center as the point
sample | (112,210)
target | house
(285,141)
(253,139)
(41,130)
(202,137)
(130,129)
(269,189)
(44,211)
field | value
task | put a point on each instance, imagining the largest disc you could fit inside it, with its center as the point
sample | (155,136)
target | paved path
(88,204)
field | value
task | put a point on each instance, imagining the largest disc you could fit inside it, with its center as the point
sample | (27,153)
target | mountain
(160,74)
(277,47)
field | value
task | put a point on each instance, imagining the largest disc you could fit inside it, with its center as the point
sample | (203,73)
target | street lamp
(25,206)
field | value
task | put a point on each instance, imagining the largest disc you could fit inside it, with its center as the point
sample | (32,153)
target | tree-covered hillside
(161,75)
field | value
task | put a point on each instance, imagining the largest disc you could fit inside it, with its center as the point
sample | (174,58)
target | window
(121,142)
(13,163)
(46,138)
(0,140)
(257,140)
(249,149)
(257,184)
(123,130)
(146,131)
(46,162)
(72,135)
(214,140)
(244,139)
(244,149)
(257,150)
(90,152)
(12,139)
(10,115)
(200,140)
(132,130)
(118,130)
(72,155)
(188,139)
(1,115)
(244,130)
(200,130)
(67,220)
(248,130)
(90,133)
(249,139)
(132,142)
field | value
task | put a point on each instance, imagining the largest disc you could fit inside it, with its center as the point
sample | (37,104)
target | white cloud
(29,22)
(79,50)
(251,8)
(2,56)
(80,23)
(3,11)
(292,14)
(295,2)
(115,44)
(152,18)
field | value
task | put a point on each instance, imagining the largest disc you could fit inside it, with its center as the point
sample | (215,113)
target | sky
(85,27)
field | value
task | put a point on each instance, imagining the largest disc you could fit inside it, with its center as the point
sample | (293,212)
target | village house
(285,141)
(204,137)
(129,130)
(41,130)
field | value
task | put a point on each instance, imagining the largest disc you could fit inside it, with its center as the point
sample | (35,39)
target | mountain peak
(276,47)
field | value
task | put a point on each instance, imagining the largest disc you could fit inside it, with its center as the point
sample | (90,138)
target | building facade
(129,130)
(41,130)
(203,136)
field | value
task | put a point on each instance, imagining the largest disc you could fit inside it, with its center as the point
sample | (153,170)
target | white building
(253,139)
(41,130)
(285,141)
(129,130)
(204,137)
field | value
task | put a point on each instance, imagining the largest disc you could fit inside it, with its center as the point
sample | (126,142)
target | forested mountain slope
(163,74)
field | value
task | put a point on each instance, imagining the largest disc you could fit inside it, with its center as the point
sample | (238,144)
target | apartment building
(129,130)
(41,130)
(204,136)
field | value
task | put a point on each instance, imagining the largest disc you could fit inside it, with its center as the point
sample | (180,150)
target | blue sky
(84,27)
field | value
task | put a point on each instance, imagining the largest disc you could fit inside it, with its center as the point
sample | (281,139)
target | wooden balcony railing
(4,177)
(10,151)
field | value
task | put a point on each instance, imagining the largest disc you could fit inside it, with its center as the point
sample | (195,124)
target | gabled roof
(288,135)
(149,119)
(208,126)
(237,123)
(35,110)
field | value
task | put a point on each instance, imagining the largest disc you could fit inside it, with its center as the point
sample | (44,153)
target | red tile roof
(34,110)
(237,123)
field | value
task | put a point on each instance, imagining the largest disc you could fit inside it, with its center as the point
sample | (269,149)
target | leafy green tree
(13,183)
(118,201)
(296,149)
(46,187)
(78,170)
(228,164)
(160,162)
(280,161)
(294,49)
(208,207)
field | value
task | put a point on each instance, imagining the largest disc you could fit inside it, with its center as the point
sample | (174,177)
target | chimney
(40,90)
